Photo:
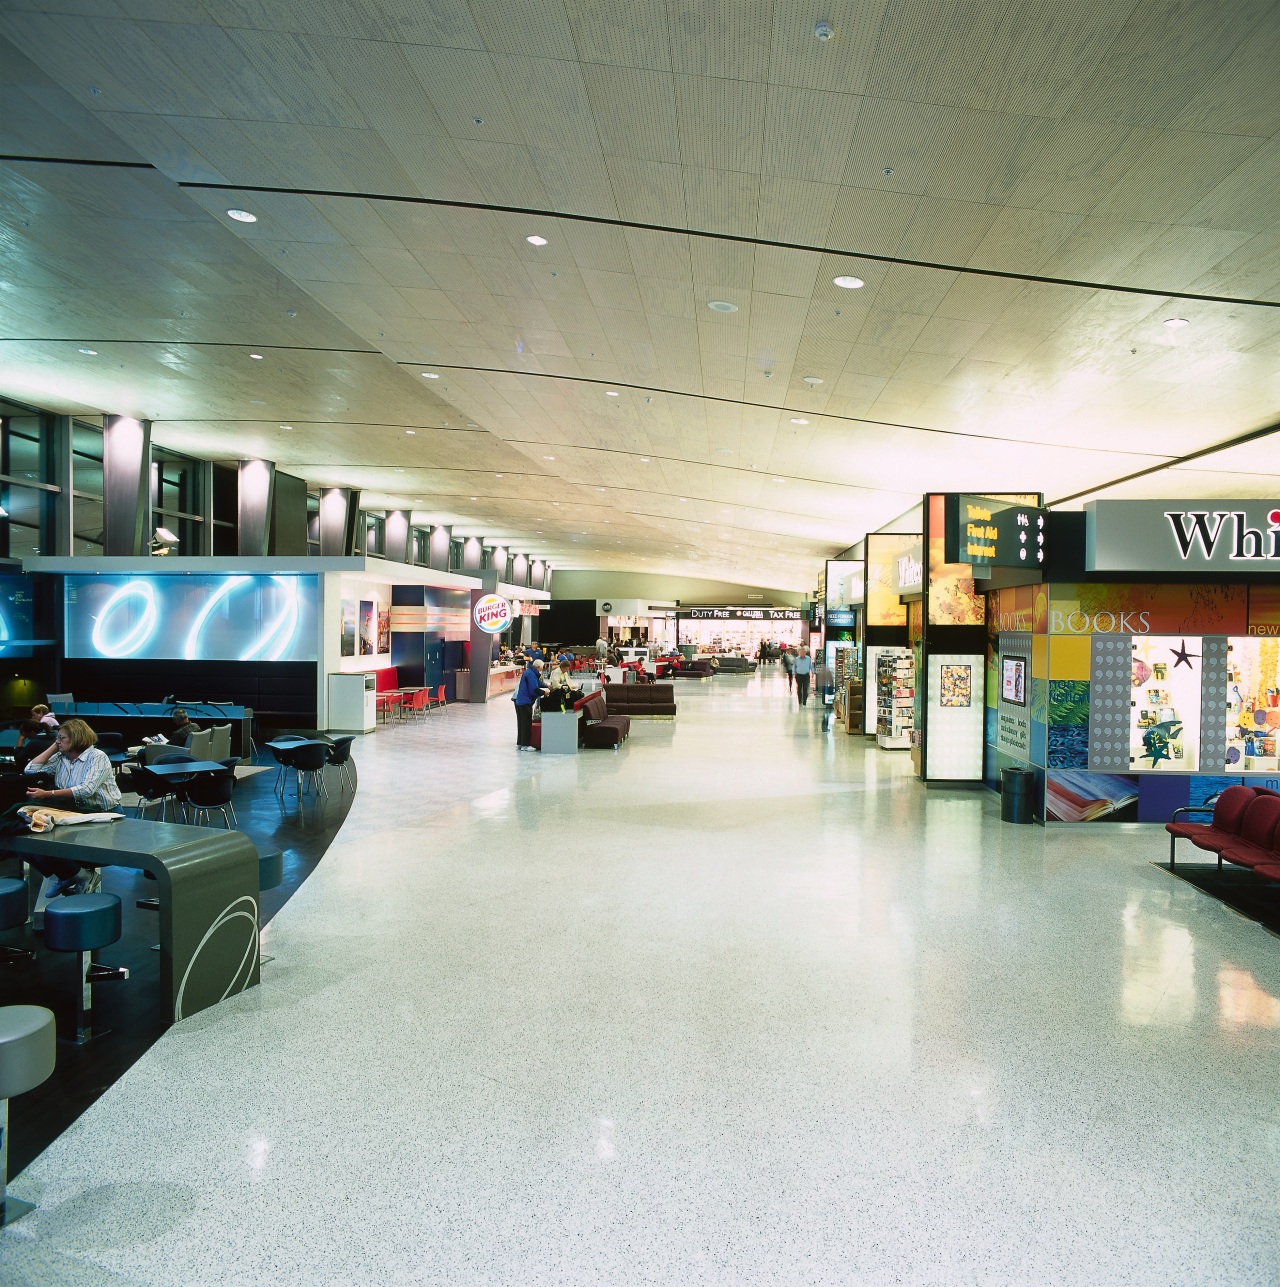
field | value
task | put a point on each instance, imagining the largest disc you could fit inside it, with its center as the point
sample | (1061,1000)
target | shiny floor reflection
(740,1004)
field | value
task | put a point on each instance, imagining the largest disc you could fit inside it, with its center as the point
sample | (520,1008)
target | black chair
(23,754)
(278,754)
(340,755)
(150,790)
(306,760)
(211,791)
(178,785)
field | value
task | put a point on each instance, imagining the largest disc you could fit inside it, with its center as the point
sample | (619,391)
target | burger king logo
(492,613)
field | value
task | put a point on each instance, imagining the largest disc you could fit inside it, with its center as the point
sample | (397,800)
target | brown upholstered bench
(641,701)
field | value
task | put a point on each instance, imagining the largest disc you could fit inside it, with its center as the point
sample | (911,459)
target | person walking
(602,649)
(788,665)
(529,689)
(803,667)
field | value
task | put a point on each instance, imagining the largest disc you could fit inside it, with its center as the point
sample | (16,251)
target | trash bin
(1017,787)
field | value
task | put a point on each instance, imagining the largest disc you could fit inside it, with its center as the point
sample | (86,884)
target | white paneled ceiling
(1029,193)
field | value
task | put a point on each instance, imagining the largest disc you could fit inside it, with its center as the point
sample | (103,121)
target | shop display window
(1164,705)
(1253,705)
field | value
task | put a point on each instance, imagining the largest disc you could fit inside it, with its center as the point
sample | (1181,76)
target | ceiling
(1028,191)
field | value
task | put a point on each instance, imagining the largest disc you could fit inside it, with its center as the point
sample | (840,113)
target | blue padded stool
(13,914)
(83,923)
(28,1041)
(270,870)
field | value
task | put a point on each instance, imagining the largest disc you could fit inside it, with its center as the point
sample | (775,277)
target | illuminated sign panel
(492,613)
(985,532)
(191,618)
(740,614)
(1182,536)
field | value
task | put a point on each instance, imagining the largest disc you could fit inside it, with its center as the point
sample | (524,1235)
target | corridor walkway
(739,1004)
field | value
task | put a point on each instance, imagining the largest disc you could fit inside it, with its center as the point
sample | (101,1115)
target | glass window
(455,556)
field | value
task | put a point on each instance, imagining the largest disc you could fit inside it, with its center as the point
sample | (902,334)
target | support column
(520,570)
(256,491)
(288,516)
(126,460)
(438,547)
(396,536)
(538,575)
(339,514)
(481,640)
(472,548)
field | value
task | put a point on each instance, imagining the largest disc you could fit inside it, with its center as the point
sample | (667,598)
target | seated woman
(83,780)
(42,714)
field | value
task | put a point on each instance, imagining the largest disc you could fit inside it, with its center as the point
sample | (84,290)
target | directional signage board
(994,534)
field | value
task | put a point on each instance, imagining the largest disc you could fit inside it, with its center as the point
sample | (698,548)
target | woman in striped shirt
(83,780)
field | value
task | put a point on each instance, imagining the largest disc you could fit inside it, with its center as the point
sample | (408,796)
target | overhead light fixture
(848,283)
(286,426)
(497,475)
(799,420)
(779,480)
(611,393)
(411,432)
(535,240)
(644,460)
(1175,323)
(473,498)
(88,352)
(257,357)
(430,375)
(548,458)
(824,31)
(813,380)
(722,306)
(242,216)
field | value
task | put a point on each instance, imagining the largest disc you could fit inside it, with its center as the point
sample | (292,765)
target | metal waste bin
(1017,787)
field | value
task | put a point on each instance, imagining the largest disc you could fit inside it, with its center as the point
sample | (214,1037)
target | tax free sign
(1182,536)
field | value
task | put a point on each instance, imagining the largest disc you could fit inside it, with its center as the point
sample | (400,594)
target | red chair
(438,700)
(421,701)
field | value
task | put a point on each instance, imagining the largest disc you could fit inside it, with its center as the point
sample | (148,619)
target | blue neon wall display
(16,616)
(192,618)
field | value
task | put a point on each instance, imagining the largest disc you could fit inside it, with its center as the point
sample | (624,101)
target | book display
(895,698)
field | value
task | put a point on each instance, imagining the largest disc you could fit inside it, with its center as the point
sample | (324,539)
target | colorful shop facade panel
(1159,695)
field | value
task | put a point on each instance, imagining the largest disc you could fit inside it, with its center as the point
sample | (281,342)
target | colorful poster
(384,628)
(1148,609)
(1164,705)
(368,629)
(957,686)
(349,610)
(1023,608)
(1253,705)
(884,549)
(953,601)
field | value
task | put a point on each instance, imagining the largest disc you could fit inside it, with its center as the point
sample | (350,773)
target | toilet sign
(492,613)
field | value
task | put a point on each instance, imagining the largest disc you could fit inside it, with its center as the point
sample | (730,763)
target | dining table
(187,768)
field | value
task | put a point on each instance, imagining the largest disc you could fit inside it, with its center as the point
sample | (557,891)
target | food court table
(208,890)
(186,768)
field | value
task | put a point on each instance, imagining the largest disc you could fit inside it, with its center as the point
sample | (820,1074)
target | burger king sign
(492,613)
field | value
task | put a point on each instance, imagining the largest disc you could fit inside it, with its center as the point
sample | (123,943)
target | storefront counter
(504,679)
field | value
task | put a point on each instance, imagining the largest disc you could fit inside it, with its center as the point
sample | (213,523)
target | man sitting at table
(83,780)
(183,728)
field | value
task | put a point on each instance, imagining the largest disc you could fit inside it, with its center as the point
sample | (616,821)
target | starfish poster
(1164,705)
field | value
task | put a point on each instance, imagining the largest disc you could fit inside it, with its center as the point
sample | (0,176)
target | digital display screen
(16,616)
(1013,680)
(192,618)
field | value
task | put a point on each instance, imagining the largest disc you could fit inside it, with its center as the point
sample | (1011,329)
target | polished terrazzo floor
(739,1004)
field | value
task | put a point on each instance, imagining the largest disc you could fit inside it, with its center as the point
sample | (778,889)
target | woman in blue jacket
(528,691)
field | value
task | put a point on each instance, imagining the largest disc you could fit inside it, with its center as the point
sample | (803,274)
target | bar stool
(13,915)
(83,923)
(28,1046)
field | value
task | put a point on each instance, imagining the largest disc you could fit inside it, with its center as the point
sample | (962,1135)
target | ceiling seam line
(764,406)
(1240,440)
(893,260)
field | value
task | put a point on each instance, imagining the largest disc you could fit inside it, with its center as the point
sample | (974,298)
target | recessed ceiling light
(399,470)
(611,393)
(799,420)
(411,432)
(430,375)
(535,240)
(683,499)
(256,402)
(286,426)
(497,475)
(599,489)
(88,352)
(257,357)
(644,460)
(849,283)
(722,306)
(473,498)
(1175,322)
(548,458)
(813,379)
(779,480)
(242,216)
(472,426)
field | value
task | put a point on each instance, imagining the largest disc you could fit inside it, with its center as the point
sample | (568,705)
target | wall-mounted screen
(1013,680)
(16,616)
(193,618)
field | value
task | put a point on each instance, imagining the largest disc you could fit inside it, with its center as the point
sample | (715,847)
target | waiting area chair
(340,757)
(201,745)
(220,743)
(208,792)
